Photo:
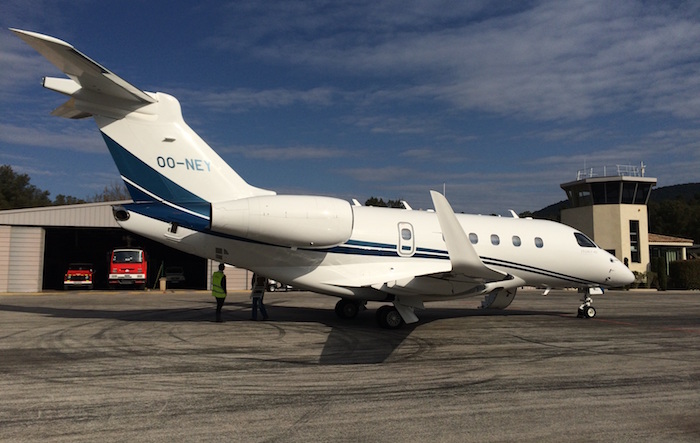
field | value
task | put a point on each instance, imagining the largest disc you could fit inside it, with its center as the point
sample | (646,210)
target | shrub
(658,265)
(685,274)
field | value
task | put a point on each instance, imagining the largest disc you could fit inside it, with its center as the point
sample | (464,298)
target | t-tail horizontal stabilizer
(89,81)
(465,261)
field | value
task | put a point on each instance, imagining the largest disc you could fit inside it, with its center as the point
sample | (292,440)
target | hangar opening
(65,245)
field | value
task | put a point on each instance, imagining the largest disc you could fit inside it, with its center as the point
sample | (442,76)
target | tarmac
(149,366)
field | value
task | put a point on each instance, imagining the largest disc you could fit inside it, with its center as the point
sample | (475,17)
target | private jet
(187,197)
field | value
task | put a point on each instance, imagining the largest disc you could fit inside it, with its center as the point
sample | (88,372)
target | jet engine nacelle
(287,220)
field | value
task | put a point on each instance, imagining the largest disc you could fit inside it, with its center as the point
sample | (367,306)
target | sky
(496,102)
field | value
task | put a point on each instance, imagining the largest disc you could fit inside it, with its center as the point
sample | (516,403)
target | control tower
(609,204)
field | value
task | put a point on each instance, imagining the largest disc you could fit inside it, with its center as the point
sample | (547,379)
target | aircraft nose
(622,275)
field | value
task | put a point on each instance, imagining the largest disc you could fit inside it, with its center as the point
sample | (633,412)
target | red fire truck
(78,275)
(128,267)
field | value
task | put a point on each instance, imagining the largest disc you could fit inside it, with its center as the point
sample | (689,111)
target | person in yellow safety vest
(218,290)
(259,283)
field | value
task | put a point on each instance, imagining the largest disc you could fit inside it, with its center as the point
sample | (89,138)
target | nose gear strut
(586,310)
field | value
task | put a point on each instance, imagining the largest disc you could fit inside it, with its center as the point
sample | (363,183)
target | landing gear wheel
(586,310)
(589,312)
(389,318)
(346,308)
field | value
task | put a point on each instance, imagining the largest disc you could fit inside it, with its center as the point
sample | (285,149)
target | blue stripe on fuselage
(165,213)
(147,178)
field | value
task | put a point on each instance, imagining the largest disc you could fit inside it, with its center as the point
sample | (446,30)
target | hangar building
(37,244)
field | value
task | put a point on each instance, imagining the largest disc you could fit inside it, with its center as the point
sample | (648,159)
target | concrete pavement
(148,366)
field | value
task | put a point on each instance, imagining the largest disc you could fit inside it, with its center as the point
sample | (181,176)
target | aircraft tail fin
(161,159)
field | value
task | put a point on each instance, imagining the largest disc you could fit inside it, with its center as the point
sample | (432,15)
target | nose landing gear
(586,310)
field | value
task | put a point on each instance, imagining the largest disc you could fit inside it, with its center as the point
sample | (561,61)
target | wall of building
(21,258)
(609,227)
(608,230)
(237,279)
(579,218)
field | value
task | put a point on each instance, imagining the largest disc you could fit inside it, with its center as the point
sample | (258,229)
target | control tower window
(628,191)
(598,192)
(612,193)
(642,193)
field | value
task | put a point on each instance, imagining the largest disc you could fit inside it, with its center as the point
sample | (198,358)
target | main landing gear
(388,316)
(346,308)
(586,310)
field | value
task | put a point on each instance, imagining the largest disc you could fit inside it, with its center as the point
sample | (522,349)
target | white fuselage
(536,252)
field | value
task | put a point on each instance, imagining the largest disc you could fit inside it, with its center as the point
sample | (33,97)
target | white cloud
(379,174)
(72,139)
(245,99)
(273,153)
(544,60)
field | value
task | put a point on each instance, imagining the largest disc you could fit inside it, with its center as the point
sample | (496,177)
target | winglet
(463,256)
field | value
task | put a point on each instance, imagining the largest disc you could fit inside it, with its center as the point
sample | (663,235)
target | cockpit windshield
(584,241)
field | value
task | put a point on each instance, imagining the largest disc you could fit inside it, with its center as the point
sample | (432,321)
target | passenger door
(406,245)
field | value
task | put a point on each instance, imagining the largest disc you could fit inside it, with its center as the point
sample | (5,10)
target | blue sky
(499,101)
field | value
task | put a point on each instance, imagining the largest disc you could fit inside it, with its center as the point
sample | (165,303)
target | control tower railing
(612,171)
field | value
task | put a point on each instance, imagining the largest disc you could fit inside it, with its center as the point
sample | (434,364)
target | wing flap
(359,275)
(87,73)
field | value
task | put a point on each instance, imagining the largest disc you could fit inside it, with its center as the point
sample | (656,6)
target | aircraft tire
(347,308)
(389,318)
(589,312)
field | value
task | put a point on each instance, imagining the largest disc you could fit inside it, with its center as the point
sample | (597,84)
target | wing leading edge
(465,261)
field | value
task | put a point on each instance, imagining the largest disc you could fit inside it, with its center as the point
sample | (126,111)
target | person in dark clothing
(259,283)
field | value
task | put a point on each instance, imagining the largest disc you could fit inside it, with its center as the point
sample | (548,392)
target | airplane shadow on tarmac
(354,341)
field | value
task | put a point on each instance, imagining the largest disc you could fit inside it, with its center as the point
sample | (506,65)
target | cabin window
(516,241)
(406,234)
(538,242)
(495,240)
(584,241)
(473,238)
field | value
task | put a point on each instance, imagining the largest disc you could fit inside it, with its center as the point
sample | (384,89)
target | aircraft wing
(84,72)
(463,273)
(466,263)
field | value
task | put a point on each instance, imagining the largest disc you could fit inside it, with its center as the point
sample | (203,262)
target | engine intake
(286,220)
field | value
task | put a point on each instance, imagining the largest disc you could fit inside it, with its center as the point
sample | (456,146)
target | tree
(61,200)
(374,201)
(114,192)
(678,217)
(17,192)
